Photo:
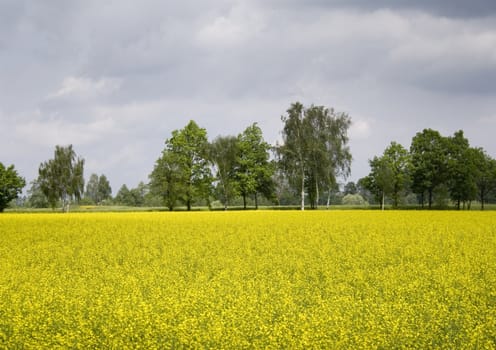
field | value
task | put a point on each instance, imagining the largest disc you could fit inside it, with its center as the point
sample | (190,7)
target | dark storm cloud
(447,8)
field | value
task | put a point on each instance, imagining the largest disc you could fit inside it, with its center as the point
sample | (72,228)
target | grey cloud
(445,8)
(117,79)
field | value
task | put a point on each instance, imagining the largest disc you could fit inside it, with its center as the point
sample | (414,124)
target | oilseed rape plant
(239,280)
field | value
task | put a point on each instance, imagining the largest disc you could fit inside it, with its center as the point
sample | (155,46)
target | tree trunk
(256,200)
(225,195)
(328,200)
(65,203)
(244,201)
(382,202)
(430,198)
(317,194)
(396,197)
(482,199)
(188,204)
(303,191)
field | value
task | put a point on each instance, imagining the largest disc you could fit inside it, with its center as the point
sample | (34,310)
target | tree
(429,163)
(62,177)
(104,189)
(92,189)
(36,197)
(138,194)
(98,188)
(461,169)
(223,153)
(165,179)
(389,174)
(350,188)
(183,171)
(294,147)
(485,174)
(397,158)
(124,196)
(380,180)
(363,190)
(315,149)
(11,185)
(253,170)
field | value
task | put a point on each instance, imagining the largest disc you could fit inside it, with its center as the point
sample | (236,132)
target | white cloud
(360,129)
(85,87)
(242,23)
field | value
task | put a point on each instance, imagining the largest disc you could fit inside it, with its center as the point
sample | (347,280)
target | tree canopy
(253,170)
(223,153)
(436,166)
(11,185)
(182,172)
(389,174)
(62,178)
(98,189)
(315,149)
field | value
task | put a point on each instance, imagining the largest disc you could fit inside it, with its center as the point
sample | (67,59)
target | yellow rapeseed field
(258,279)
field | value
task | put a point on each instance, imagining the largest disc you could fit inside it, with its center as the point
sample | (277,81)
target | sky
(114,78)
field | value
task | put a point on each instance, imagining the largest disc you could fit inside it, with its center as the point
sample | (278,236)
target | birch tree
(62,178)
(315,149)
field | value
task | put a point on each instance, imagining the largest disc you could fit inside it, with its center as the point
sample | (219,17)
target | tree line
(435,168)
(304,170)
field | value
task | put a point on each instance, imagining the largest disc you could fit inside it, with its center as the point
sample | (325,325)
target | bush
(354,199)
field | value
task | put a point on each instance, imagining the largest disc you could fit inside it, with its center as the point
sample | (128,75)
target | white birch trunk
(303,191)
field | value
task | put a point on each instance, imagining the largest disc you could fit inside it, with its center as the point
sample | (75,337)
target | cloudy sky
(114,78)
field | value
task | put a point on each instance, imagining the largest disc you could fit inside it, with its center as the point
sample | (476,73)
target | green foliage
(380,179)
(92,188)
(485,174)
(315,149)
(11,185)
(62,177)
(389,174)
(253,171)
(98,189)
(165,179)
(443,168)
(354,199)
(36,197)
(224,153)
(104,189)
(429,163)
(124,196)
(350,188)
(462,169)
(182,172)
(135,197)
